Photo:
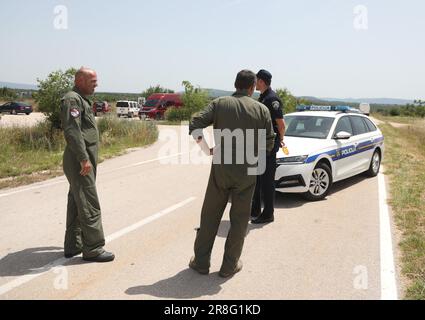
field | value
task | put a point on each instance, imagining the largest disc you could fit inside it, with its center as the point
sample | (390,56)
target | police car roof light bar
(326,108)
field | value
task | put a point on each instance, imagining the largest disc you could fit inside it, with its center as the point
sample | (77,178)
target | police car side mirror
(343,135)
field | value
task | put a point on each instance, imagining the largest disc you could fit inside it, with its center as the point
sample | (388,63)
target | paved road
(324,250)
(21,120)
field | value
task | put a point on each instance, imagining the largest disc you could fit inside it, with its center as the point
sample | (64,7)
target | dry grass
(31,154)
(405,164)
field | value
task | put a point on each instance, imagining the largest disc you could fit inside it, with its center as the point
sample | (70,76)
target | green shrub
(51,91)
(157,89)
(8,94)
(194,100)
(178,114)
(394,112)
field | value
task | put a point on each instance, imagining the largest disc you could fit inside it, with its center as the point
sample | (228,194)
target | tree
(50,92)
(8,94)
(194,100)
(157,89)
(288,100)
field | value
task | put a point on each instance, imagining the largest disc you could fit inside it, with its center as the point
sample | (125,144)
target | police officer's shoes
(103,257)
(194,266)
(225,274)
(263,220)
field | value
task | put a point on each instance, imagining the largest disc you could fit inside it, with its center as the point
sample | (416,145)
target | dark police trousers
(265,189)
(225,182)
(83,220)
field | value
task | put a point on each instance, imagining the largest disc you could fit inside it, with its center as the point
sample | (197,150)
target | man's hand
(86,167)
(282,143)
(204,146)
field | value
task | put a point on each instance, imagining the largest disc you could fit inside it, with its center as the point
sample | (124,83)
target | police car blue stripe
(342,153)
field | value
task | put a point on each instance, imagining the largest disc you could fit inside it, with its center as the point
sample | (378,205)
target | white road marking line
(144,162)
(64,180)
(32,188)
(62,261)
(148,220)
(388,275)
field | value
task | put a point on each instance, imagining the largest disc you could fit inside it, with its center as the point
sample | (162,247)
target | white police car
(326,144)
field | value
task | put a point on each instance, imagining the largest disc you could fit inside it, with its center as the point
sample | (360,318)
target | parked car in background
(156,105)
(101,107)
(16,108)
(127,108)
(364,108)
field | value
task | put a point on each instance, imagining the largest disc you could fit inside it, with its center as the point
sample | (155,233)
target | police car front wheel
(320,183)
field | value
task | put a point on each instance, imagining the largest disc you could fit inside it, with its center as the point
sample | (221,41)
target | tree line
(415,109)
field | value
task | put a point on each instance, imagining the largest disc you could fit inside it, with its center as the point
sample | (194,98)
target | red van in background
(156,105)
(101,107)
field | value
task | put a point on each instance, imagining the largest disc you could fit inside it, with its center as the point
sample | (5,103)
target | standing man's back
(232,118)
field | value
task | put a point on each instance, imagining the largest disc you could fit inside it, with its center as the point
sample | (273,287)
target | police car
(326,144)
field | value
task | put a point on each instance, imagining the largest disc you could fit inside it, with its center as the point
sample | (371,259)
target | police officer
(84,232)
(265,188)
(236,113)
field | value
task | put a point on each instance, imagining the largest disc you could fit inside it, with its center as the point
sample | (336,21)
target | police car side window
(359,126)
(370,125)
(344,124)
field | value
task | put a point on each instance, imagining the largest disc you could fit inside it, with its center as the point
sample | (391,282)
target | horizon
(326,49)
(228,91)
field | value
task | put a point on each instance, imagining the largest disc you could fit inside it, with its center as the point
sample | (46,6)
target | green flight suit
(84,230)
(229,180)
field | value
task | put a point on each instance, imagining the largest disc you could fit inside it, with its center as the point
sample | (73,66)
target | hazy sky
(324,48)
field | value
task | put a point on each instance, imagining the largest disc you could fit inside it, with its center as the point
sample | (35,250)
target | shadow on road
(294,200)
(288,200)
(347,183)
(28,260)
(224,228)
(186,284)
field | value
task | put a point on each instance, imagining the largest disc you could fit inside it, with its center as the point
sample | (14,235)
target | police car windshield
(308,126)
(151,103)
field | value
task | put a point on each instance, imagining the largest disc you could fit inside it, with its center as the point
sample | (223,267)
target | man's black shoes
(194,266)
(263,220)
(104,257)
(227,274)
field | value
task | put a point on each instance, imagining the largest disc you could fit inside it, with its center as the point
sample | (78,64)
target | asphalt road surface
(323,250)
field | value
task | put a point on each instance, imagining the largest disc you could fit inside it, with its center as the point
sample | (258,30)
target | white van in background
(127,108)
(364,108)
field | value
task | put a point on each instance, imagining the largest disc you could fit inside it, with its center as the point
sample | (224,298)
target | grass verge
(405,165)
(33,154)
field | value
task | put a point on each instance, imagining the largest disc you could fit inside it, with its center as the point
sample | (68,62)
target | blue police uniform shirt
(272,101)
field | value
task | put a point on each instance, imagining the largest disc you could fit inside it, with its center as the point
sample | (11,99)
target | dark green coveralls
(84,230)
(229,180)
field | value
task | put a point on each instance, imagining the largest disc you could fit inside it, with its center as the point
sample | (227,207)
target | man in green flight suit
(232,117)
(84,232)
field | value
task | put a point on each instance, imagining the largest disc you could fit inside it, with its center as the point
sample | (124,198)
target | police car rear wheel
(320,183)
(375,164)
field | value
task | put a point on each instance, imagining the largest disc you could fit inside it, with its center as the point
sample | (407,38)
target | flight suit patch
(75,113)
